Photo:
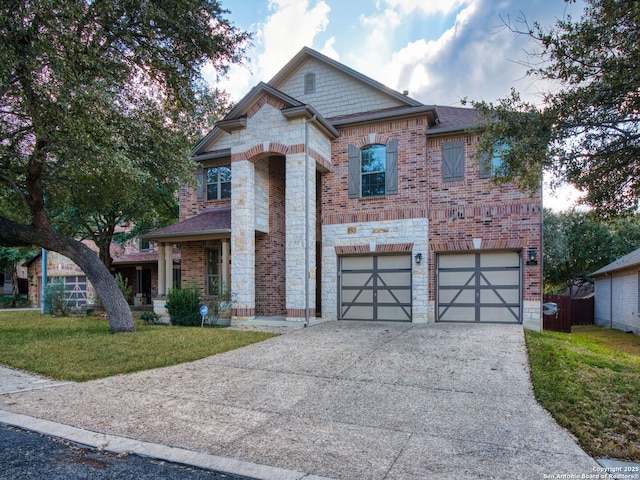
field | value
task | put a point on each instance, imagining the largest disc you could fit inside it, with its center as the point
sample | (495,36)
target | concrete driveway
(342,400)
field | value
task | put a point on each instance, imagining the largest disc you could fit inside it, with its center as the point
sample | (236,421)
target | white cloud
(291,26)
(428,7)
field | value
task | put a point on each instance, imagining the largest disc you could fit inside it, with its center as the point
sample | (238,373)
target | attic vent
(310,83)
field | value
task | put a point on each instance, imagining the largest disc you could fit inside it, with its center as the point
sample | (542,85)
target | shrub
(125,288)
(183,305)
(149,318)
(55,299)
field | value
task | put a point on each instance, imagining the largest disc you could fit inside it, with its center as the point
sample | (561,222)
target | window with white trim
(373,170)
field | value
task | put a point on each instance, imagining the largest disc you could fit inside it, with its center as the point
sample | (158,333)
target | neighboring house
(617,302)
(325,194)
(136,261)
(59,268)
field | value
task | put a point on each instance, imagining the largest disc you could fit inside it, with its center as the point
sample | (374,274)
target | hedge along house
(324,194)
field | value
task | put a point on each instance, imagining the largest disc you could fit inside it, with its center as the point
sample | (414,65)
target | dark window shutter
(452,161)
(354,171)
(391,174)
(485,165)
(200,183)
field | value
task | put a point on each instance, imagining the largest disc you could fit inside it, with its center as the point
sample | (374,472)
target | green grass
(589,380)
(81,348)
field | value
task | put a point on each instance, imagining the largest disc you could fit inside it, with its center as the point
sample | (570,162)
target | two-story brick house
(325,194)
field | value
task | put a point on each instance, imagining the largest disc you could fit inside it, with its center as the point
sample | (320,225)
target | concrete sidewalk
(342,400)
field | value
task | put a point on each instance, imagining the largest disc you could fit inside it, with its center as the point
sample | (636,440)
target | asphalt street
(28,455)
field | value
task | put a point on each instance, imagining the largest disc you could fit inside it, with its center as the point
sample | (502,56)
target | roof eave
(308,112)
(435,132)
(186,237)
(222,153)
(366,118)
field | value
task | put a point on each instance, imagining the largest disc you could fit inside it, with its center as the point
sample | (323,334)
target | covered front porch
(204,242)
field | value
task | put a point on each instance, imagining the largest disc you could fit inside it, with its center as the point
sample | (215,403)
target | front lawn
(81,348)
(589,380)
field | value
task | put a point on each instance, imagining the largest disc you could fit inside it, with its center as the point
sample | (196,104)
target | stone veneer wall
(376,237)
(270,248)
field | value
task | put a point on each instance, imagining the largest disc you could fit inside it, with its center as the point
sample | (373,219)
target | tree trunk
(117,308)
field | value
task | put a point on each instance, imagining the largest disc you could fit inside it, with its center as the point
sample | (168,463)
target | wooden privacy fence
(579,311)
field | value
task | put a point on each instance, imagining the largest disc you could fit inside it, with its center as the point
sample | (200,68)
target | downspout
(307,257)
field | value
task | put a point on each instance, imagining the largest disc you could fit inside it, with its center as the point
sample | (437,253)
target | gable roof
(442,120)
(627,261)
(306,53)
(237,117)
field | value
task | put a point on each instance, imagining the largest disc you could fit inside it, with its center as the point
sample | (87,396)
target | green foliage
(125,288)
(183,305)
(587,130)
(9,301)
(55,299)
(149,318)
(101,103)
(576,244)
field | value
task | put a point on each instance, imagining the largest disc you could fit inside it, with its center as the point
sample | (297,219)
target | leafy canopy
(100,101)
(577,243)
(586,131)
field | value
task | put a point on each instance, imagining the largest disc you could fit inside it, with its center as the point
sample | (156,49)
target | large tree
(96,97)
(577,243)
(586,129)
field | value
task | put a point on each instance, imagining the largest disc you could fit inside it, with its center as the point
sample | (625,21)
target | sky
(440,51)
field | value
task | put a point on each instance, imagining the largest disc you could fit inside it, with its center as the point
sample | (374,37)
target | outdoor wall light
(418,257)
(533,256)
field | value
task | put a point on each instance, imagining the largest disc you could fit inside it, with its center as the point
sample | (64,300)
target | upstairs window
(490,165)
(373,165)
(145,244)
(373,170)
(218,182)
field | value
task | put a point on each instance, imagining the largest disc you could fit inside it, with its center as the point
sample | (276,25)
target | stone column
(296,224)
(162,272)
(243,284)
(224,271)
(168,261)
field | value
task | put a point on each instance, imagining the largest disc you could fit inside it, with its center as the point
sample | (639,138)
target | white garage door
(375,287)
(479,287)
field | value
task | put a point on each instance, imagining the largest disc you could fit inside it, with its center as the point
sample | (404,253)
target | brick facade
(270,247)
(284,152)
